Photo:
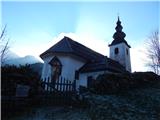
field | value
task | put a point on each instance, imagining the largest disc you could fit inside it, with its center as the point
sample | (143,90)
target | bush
(13,75)
(114,83)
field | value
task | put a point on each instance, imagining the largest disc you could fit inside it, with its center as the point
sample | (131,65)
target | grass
(136,104)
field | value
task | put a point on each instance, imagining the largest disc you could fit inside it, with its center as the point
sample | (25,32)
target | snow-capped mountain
(22,60)
(14,59)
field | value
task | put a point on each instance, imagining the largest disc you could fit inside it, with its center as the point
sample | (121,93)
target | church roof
(119,35)
(67,45)
(95,60)
(104,64)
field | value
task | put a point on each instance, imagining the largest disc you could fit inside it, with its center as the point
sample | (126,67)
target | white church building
(74,61)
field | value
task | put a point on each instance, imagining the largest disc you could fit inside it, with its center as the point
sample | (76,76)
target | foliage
(115,83)
(13,75)
(136,96)
(134,104)
(153,52)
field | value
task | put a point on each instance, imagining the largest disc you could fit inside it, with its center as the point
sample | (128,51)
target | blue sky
(34,26)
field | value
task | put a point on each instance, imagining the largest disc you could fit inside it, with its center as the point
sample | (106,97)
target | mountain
(13,59)
(21,60)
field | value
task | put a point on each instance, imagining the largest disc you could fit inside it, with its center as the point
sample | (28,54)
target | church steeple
(119,26)
(119,35)
(119,48)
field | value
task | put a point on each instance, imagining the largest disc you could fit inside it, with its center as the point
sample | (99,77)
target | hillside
(138,104)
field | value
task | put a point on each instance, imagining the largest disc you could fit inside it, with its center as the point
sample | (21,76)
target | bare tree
(4,45)
(153,52)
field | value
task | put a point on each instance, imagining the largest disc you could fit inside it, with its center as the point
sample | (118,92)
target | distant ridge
(22,60)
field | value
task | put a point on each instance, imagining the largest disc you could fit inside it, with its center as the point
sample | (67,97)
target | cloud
(138,58)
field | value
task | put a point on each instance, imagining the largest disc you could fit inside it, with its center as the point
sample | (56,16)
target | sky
(34,26)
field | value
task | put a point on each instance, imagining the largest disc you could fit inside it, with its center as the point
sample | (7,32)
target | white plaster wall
(46,71)
(84,76)
(69,65)
(122,56)
(128,60)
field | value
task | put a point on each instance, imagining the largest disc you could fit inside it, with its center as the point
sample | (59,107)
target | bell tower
(119,48)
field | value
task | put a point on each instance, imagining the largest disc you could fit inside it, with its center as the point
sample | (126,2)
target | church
(74,61)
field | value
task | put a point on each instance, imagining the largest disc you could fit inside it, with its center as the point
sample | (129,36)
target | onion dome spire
(119,35)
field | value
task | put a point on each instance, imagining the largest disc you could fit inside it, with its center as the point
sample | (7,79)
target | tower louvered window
(116,51)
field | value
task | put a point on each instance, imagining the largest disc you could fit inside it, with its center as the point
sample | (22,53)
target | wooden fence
(61,85)
(61,91)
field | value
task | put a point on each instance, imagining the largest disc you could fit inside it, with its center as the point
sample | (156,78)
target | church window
(57,68)
(127,51)
(116,51)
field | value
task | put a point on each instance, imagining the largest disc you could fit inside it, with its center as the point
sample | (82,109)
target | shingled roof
(67,45)
(103,65)
(117,41)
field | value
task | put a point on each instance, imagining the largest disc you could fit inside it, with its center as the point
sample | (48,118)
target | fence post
(60,86)
(67,86)
(74,85)
(47,82)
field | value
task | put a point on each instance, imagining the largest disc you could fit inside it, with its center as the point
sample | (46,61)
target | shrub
(113,83)
(13,75)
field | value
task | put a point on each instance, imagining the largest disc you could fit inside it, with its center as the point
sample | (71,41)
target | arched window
(116,50)
(56,68)
(127,51)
